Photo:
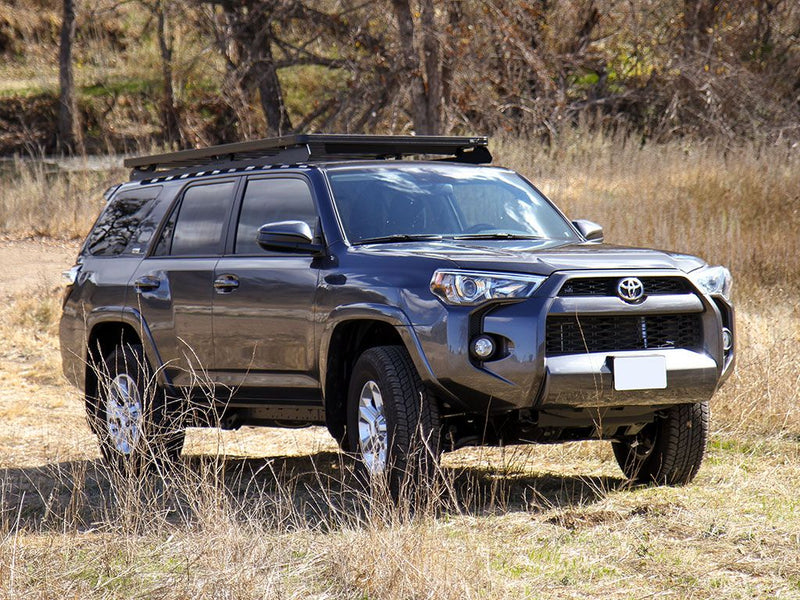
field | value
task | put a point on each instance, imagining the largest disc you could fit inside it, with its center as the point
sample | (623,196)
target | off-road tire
(161,437)
(412,420)
(668,451)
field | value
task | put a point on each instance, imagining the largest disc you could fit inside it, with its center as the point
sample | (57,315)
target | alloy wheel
(124,413)
(373,435)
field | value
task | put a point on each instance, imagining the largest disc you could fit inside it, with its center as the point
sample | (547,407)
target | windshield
(406,202)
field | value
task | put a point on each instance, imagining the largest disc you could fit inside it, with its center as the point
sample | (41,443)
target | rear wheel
(392,421)
(668,451)
(132,417)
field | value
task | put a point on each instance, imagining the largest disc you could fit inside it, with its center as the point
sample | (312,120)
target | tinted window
(200,220)
(123,226)
(270,201)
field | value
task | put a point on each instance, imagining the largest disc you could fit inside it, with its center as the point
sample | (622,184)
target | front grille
(578,335)
(607,286)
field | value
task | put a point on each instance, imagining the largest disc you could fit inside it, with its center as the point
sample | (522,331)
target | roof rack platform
(304,148)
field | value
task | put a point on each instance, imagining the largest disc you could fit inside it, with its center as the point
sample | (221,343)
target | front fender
(376,312)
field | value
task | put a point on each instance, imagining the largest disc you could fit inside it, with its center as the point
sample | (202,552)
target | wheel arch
(109,329)
(350,331)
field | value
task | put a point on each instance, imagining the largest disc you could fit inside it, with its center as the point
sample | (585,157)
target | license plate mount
(640,372)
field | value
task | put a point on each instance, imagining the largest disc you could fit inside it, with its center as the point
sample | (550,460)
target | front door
(264,301)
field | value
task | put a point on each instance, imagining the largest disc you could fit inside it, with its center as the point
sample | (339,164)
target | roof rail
(294,149)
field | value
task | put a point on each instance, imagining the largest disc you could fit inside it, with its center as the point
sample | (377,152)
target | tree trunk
(454,17)
(67,107)
(252,34)
(170,120)
(265,77)
(699,18)
(433,68)
(411,67)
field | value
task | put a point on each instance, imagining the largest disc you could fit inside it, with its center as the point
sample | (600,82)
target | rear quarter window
(126,225)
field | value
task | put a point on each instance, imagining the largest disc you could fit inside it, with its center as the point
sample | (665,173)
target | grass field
(270,513)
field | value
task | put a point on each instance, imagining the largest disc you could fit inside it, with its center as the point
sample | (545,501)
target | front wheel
(392,420)
(668,451)
(132,416)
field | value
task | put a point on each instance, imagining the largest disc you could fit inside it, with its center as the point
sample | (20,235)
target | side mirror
(591,231)
(288,236)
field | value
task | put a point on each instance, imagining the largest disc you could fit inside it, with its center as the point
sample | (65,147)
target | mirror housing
(591,231)
(294,237)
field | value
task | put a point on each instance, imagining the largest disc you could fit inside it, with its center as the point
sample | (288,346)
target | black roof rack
(298,149)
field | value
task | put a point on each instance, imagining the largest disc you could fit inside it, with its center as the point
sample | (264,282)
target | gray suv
(398,291)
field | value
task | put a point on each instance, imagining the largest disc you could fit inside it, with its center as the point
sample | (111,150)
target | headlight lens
(469,288)
(714,280)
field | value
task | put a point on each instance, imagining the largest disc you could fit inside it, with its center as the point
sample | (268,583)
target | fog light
(482,347)
(727,339)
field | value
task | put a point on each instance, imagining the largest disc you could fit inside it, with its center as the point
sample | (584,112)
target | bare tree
(699,17)
(248,48)
(170,118)
(425,91)
(67,106)
(433,66)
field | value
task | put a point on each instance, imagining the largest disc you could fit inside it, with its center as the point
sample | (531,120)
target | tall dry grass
(737,206)
(40,198)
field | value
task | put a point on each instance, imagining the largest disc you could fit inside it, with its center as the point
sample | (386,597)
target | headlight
(468,288)
(713,280)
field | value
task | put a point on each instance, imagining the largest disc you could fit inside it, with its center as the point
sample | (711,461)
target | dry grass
(735,206)
(38,198)
(524,522)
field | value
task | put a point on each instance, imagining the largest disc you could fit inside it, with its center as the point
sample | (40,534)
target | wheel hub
(124,413)
(372,429)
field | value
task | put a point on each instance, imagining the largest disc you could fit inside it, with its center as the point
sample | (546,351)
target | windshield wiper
(399,237)
(496,236)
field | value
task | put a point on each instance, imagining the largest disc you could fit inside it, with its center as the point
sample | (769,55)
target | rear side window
(196,229)
(269,201)
(125,225)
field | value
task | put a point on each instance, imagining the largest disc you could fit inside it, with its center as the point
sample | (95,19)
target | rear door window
(197,226)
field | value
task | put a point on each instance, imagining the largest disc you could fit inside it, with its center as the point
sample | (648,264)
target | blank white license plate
(640,373)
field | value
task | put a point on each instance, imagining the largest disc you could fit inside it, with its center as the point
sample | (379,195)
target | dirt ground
(33,263)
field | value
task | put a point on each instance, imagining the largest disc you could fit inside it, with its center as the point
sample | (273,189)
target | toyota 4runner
(394,289)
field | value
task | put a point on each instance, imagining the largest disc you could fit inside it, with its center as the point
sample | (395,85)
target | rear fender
(136,321)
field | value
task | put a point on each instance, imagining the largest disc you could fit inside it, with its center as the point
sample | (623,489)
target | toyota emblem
(630,289)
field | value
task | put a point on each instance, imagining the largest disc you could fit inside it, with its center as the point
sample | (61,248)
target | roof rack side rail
(223,162)
(303,148)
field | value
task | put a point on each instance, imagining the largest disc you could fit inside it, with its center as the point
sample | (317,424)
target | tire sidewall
(158,441)
(367,369)
(669,463)
(412,421)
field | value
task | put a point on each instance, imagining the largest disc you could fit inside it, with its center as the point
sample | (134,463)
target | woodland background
(120,75)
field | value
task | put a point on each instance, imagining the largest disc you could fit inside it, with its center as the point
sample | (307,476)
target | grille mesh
(607,286)
(578,335)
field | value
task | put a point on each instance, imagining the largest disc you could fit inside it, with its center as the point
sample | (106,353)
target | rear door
(175,283)
(264,318)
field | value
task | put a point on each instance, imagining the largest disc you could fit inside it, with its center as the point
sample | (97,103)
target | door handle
(148,283)
(224,284)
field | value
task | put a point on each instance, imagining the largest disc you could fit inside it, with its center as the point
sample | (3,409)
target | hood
(538,257)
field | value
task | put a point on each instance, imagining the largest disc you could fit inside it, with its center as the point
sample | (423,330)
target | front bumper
(524,377)
(587,380)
